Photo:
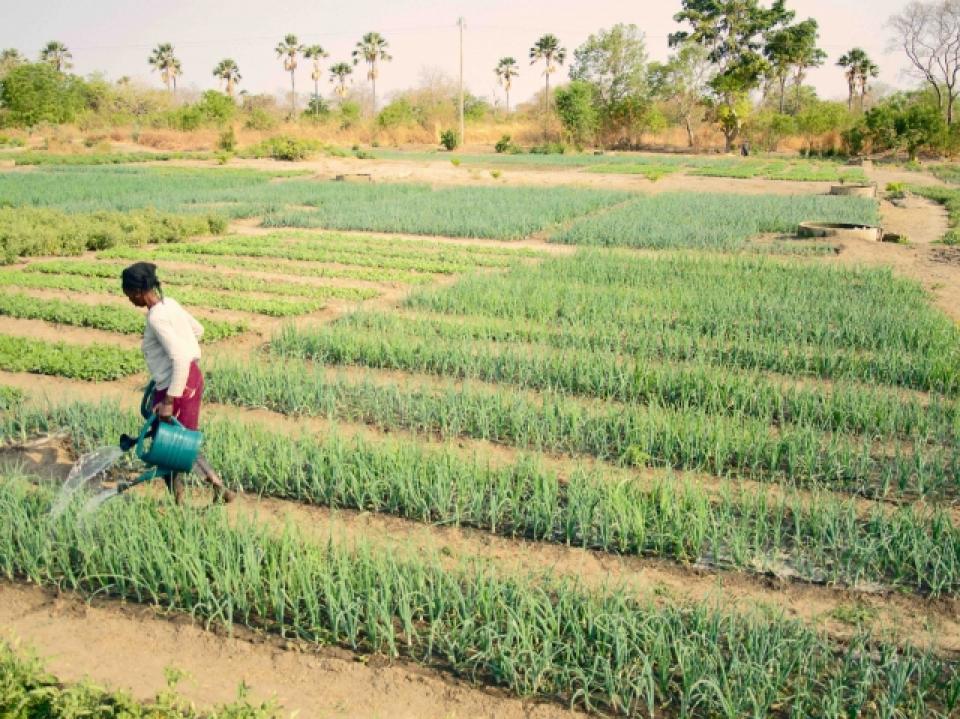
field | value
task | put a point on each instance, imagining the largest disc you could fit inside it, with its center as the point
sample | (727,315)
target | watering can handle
(145,430)
(146,404)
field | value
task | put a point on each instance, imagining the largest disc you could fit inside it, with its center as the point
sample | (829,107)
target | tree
(576,108)
(505,71)
(683,82)
(33,93)
(9,59)
(228,71)
(316,53)
(548,49)
(287,50)
(791,51)
(372,49)
(57,55)
(732,31)
(929,33)
(614,63)
(339,74)
(858,68)
(163,59)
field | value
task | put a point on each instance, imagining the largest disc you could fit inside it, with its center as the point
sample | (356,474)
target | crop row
(682,439)
(296,268)
(32,231)
(610,377)
(604,651)
(109,317)
(388,249)
(88,362)
(710,221)
(745,310)
(820,538)
(744,169)
(271,306)
(300,253)
(204,278)
(105,158)
(413,208)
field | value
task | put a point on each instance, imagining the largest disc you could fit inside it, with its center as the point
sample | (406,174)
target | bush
(259,119)
(503,144)
(449,139)
(32,231)
(349,114)
(549,148)
(227,140)
(285,148)
(6,141)
(397,113)
(35,93)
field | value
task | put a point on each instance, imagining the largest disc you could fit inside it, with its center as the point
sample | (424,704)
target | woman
(172,350)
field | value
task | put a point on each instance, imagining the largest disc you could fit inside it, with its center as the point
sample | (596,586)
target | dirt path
(442,172)
(128,647)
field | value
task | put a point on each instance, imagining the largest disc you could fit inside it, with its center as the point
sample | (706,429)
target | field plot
(694,410)
(298,202)
(656,166)
(710,221)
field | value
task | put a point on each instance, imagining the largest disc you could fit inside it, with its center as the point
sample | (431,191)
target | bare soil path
(128,647)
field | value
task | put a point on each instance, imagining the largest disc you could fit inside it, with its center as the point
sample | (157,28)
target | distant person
(745,149)
(171,349)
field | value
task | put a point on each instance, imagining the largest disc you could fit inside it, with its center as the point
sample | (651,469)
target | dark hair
(140,277)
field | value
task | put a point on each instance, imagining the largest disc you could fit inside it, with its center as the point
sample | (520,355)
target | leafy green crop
(87,362)
(109,317)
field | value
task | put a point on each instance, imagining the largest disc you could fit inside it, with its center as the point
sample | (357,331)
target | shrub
(397,113)
(283,147)
(549,148)
(227,140)
(455,162)
(503,144)
(449,139)
(259,119)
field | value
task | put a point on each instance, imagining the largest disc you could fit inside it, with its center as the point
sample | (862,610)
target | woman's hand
(164,409)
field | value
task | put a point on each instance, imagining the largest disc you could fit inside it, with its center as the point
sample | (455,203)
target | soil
(127,647)
(442,172)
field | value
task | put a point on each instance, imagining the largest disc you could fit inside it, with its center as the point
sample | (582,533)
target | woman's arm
(180,353)
(195,326)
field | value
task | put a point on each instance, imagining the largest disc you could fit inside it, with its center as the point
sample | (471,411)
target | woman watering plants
(171,349)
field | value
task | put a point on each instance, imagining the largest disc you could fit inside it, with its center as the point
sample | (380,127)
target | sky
(116,36)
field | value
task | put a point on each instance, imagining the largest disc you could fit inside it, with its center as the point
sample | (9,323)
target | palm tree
(287,50)
(315,53)
(228,71)
(163,59)
(372,49)
(57,54)
(339,74)
(858,69)
(548,49)
(505,71)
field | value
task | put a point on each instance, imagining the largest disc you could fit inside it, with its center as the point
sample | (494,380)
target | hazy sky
(116,36)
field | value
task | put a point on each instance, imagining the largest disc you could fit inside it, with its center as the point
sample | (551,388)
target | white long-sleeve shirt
(170,344)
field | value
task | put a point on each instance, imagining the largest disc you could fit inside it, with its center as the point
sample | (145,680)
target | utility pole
(460,24)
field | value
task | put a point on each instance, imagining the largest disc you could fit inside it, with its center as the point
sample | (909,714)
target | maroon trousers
(187,407)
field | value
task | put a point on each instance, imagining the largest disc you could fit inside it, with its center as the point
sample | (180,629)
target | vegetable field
(671,461)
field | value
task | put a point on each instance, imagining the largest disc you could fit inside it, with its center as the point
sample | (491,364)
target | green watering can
(166,447)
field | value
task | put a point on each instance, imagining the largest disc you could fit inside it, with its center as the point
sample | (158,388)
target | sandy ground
(128,647)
